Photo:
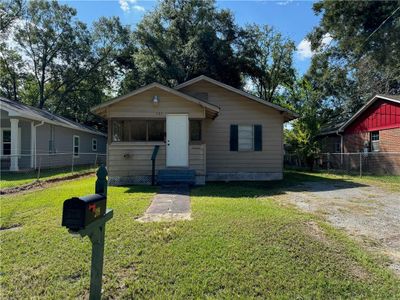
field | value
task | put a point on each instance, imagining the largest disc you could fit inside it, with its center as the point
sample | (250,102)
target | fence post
(72,165)
(360,164)
(95,160)
(328,157)
(40,163)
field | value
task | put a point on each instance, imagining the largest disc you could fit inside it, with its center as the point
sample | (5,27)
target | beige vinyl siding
(141,106)
(237,109)
(133,159)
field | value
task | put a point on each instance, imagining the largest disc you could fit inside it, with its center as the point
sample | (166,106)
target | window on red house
(374,141)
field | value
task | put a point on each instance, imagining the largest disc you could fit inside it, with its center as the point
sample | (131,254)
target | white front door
(177,140)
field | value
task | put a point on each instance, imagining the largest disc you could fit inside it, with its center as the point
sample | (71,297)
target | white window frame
(73,145)
(252,138)
(94,144)
(375,144)
(1,141)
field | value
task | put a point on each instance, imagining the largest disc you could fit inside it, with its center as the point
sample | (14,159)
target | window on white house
(338,148)
(245,137)
(375,141)
(94,144)
(195,130)
(6,142)
(76,145)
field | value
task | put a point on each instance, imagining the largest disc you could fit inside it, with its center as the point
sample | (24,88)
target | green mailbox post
(87,216)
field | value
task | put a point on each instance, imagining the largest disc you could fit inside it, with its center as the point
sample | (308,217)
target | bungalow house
(28,133)
(201,130)
(374,129)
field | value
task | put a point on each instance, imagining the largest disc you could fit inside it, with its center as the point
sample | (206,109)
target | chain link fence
(46,166)
(361,163)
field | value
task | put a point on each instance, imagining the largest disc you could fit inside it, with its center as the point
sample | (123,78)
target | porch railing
(153,164)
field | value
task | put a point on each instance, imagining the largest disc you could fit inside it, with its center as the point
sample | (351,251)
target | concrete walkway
(172,203)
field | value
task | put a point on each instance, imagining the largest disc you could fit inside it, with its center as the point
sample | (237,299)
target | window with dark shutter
(234,138)
(257,138)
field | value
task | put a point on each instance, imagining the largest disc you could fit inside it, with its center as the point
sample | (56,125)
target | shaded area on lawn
(292,182)
(233,248)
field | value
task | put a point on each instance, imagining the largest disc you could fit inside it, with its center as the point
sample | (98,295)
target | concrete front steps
(176,176)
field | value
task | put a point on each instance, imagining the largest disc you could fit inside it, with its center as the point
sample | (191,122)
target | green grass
(240,244)
(388,182)
(14,179)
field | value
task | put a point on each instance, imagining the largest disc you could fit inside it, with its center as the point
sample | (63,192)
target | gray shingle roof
(47,116)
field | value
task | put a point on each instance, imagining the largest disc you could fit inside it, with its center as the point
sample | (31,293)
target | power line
(366,40)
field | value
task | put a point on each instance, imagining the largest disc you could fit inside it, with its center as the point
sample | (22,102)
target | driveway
(369,213)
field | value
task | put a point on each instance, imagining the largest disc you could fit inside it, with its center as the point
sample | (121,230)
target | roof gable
(289,114)
(365,108)
(211,107)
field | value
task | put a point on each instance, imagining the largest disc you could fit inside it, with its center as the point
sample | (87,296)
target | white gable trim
(364,108)
(210,106)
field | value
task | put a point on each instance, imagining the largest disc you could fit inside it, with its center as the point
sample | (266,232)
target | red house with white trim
(375,128)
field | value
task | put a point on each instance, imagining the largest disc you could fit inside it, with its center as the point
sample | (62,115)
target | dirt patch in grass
(40,184)
(313,229)
(10,227)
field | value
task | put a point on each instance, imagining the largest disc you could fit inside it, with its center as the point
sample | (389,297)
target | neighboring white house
(27,132)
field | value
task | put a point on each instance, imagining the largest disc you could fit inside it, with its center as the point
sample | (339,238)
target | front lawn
(240,244)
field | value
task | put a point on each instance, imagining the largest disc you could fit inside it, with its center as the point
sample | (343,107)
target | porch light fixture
(156,100)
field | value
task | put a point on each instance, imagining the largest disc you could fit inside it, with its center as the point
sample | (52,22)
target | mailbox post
(87,216)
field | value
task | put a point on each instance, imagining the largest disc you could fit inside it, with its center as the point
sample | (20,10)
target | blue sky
(294,19)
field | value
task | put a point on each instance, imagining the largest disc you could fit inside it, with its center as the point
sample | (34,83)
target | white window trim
(375,142)
(73,145)
(252,138)
(94,140)
(1,141)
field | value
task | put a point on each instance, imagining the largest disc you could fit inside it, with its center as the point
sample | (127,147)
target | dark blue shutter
(234,140)
(257,138)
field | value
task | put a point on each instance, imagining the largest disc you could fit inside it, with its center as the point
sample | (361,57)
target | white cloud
(124,5)
(304,47)
(284,3)
(138,8)
(128,5)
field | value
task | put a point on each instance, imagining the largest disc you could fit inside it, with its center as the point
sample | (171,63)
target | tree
(52,60)
(50,38)
(11,73)
(302,138)
(10,11)
(363,57)
(266,60)
(182,39)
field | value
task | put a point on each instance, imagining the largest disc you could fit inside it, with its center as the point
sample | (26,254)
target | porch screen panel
(138,130)
(117,131)
(156,130)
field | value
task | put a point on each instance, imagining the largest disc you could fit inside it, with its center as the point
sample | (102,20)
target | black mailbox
(80,212)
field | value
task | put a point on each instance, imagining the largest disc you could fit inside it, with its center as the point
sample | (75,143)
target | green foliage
(302,138)
(54,61)
(267,60)
(181,40)
(362,60)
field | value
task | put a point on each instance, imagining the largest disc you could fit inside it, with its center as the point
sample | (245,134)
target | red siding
(381,115)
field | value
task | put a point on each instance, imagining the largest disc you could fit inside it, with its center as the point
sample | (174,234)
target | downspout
(341,147)
(35,143)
